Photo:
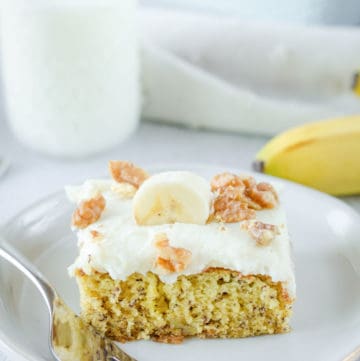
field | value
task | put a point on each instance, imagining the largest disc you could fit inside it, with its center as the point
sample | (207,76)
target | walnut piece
(170,259)
(225,180)
(232,211)
(237,198)
(88,211)
(127,172)
(264,194)
(261,232)
(96,235)
(173,339)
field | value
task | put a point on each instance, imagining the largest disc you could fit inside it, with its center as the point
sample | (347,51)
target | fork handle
(353,356)
(10,254)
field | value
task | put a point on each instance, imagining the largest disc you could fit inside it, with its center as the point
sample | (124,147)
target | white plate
(326,321)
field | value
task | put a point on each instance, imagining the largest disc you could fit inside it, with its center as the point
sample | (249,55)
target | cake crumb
(172,339)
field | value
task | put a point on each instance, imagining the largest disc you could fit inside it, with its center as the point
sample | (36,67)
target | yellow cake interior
(217,303)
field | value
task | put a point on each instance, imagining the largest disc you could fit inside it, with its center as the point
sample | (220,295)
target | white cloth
(304,11)
(222,73)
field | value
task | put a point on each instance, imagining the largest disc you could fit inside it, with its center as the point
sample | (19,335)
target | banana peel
(356,84)
(324,155)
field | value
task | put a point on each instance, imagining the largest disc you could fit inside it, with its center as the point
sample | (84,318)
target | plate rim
(5,341)
(196,166)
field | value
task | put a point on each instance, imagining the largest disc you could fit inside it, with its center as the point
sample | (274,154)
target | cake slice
(174,255)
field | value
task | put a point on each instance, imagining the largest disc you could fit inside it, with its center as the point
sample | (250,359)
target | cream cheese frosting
(124,247)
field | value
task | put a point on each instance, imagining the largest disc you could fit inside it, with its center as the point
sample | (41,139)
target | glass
(70,72)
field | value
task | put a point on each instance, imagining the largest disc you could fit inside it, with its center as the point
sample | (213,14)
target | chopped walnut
(96,236)
(124,190)
(94,233)
(88,211)
(261,232)
(161,240)
(237,198)
(173,339)
(126,172)
(170,259)
(225,180)
(165,264)
(264,194)
(234,211)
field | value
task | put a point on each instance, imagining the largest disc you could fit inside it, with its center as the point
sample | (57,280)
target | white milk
(70,71)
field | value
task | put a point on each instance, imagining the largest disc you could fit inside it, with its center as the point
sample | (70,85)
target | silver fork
(353,356)
(70,338)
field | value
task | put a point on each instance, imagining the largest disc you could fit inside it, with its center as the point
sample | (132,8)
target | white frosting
(126,247)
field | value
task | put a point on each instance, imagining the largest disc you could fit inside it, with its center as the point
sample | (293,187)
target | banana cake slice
(173,255)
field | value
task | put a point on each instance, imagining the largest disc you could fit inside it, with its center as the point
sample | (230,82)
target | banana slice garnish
(172,197)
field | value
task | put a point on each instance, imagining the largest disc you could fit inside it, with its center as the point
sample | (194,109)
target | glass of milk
(71,73)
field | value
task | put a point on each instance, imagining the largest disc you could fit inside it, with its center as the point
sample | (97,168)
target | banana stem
(258,166)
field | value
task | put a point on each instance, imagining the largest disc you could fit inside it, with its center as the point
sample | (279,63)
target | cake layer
(216,303)
(117,246)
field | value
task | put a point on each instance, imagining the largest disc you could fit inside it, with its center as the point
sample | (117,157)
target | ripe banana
(324,155)
(171,197)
